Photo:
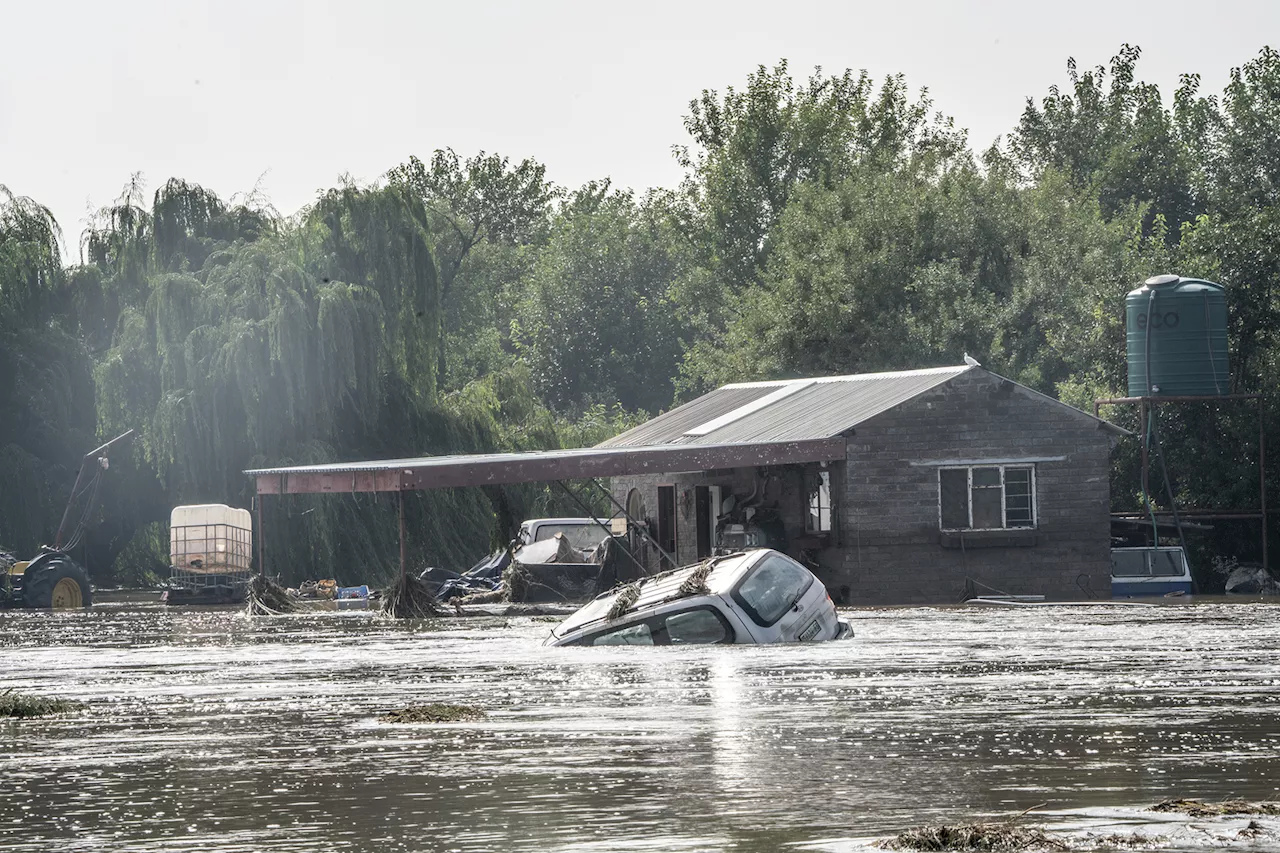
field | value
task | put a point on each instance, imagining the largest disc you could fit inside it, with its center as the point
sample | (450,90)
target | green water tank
(1176,330)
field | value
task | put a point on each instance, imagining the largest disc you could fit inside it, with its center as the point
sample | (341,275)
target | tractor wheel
(58,585)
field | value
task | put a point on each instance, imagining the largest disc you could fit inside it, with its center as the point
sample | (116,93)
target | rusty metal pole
(1262,477)
(262,563)
(404,554)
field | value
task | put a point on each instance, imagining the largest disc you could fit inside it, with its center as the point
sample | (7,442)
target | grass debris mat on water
(268,598)
(974,836)
(433,713)
(410,598)
(23,705)
(1195,808)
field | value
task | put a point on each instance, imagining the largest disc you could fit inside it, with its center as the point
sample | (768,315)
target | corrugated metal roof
(679,420)
(820,408)
(536,466)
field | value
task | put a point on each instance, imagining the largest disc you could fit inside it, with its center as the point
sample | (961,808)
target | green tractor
(52,579)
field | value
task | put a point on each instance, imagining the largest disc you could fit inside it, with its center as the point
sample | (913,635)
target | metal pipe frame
(591,514)
(642,529)
(1209,515)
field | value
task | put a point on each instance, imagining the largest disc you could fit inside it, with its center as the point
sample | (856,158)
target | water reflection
(210,731)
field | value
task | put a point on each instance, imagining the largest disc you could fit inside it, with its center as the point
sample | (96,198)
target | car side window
(697,626)
(769,590)
(1166,563)
(631,635)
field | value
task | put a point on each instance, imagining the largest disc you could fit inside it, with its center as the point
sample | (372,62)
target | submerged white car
(753,597)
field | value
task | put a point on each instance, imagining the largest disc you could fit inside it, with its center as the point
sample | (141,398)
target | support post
(262,563)
(1262,477)
(1146,461)
(404,552)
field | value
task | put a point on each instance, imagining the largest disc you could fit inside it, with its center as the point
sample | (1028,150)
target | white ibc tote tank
(210,539)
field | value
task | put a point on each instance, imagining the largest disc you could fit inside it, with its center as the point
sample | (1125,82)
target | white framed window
(987,497)
(818,517)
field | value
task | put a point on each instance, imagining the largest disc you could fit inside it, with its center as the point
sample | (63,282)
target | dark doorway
(667,520)
(702,523)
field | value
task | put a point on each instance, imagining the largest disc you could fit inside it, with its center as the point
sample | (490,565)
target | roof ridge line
(851,377)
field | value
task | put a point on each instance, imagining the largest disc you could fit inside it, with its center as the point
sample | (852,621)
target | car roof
(721,573)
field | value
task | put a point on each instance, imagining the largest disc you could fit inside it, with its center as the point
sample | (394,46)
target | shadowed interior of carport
(496,469)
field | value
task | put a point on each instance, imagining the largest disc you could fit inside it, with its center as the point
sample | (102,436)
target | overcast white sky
(297,93)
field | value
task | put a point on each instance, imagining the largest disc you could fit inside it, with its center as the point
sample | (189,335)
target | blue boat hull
(1139,589)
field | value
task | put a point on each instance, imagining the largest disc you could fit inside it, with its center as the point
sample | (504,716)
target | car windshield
(580,536)
(770,588)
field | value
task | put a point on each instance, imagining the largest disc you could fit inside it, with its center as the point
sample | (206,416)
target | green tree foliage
(597,324)
(752,148)
(1115,139)
(483,199)
(45,383)
(466,304)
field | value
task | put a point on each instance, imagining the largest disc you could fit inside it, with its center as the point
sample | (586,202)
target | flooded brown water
(212,731)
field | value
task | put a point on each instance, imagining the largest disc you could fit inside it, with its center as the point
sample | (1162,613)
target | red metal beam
(503,469)
(310,483)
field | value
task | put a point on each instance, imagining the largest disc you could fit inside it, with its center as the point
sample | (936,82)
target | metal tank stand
(1202,515)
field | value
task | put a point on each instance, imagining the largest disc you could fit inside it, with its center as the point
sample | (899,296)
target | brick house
(955,481)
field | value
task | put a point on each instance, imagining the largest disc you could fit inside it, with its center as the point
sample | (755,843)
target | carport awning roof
(492,469)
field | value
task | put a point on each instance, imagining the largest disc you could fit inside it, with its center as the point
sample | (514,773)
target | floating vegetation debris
(974,836)
(493,596)
(410,598)
(516,581)
(1132,841)
(626,597)
(995,837)
(24,705)
(433,713)
(268,598)
(1196,808)
(696,582)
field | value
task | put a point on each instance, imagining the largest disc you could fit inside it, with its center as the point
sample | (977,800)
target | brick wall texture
(887,547)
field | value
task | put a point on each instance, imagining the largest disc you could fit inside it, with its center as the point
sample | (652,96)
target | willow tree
(246,342)
(44,376)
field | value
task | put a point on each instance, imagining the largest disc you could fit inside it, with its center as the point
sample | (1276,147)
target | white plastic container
(210,539)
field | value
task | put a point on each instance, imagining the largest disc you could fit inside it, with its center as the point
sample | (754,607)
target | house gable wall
(893,544)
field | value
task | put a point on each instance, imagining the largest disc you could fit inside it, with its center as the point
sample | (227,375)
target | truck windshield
(580,536)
